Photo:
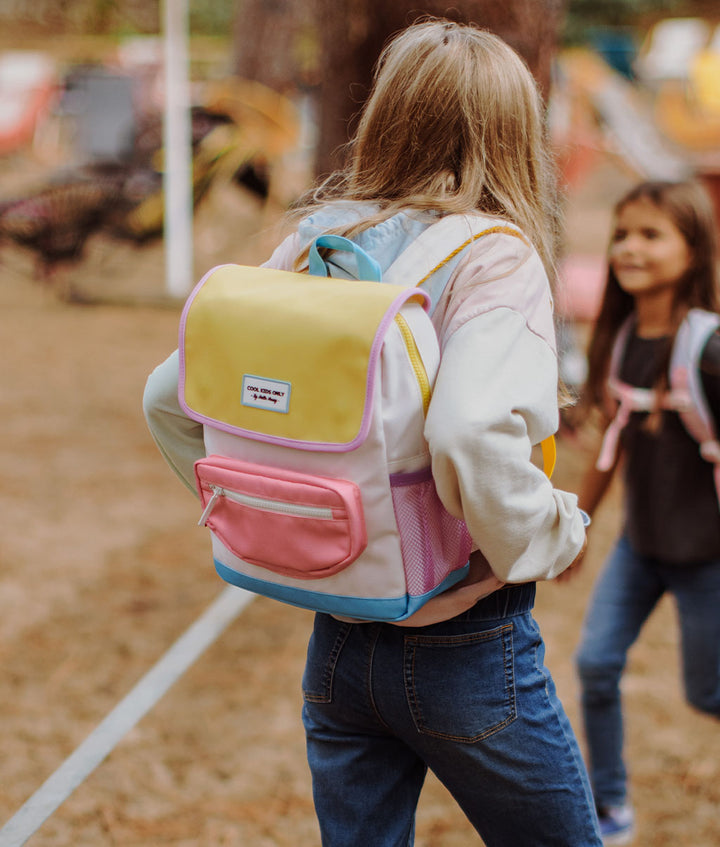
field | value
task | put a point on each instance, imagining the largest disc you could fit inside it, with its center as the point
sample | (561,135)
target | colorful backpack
(686,395)
(313,391)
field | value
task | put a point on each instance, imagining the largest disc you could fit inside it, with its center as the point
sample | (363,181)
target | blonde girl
(662,263)
(453,126)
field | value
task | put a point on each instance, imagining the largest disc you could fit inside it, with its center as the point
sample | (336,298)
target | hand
(479,583)
(574,566)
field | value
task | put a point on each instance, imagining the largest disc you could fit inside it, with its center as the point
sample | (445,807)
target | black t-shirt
(672,511)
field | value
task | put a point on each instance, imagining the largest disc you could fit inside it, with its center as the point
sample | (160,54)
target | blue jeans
(469,698)
(625,594)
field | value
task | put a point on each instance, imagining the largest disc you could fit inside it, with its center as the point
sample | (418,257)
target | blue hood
(384,241)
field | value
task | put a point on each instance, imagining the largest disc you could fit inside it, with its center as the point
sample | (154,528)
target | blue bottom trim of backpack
(393,609)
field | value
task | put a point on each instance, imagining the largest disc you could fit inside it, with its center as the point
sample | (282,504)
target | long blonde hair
(454,124)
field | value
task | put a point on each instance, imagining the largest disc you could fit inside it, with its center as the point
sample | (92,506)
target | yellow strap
(549,454)
(548,447)
(493,229)
(416,361)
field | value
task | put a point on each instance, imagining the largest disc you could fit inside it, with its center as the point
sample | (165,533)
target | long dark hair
(690,208)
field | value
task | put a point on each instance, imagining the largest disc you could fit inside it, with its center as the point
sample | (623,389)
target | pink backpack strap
(686,395)
(629,399)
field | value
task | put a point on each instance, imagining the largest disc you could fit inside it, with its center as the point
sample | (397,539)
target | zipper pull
(217,491)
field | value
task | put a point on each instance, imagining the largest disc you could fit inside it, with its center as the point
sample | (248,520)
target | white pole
(177,141)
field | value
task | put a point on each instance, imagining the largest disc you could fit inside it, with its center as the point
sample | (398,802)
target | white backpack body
(317,486)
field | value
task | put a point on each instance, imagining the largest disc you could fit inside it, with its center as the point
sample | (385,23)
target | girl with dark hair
(661,288)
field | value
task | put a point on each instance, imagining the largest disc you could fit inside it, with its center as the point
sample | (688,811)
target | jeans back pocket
(326,643)
(461,687)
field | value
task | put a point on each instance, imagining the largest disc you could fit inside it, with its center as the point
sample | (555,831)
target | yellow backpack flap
(284,356)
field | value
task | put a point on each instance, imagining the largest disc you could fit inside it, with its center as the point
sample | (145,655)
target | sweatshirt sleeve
(178,437)
(495,397)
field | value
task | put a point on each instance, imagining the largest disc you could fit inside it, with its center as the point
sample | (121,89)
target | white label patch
(262,393)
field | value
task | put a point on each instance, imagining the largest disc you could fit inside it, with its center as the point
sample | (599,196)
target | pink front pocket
(291,523)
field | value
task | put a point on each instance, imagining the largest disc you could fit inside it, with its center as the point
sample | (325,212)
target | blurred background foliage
(276,86)
(135,17)
(584,17)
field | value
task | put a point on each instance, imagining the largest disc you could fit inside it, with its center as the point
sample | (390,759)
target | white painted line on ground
(79,764)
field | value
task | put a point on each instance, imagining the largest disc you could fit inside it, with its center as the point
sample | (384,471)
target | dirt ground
(103,569)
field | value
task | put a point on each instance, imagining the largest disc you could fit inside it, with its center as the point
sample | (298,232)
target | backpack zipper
(416,361)
(264,504)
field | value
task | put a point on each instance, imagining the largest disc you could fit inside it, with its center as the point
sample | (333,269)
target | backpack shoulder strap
(686,395)
(629,398)
(686,382)
(440,243)
(435,248)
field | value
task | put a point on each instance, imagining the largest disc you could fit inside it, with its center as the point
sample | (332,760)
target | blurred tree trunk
(350,35)
(268,39)
(353,34)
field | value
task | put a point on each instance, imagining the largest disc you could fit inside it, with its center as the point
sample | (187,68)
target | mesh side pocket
(433,542)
